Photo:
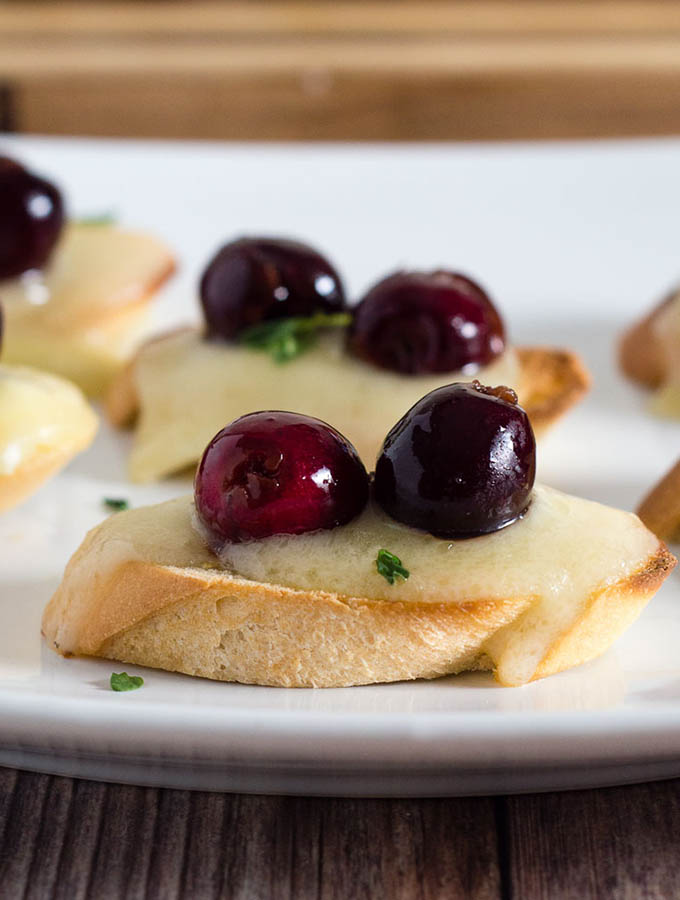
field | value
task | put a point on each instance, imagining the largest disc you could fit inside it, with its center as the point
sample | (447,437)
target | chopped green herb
(121,681)
(107,218)
(116,503)
(390,567)
(285,339)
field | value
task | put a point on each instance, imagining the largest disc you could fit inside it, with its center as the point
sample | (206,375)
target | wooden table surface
(341,69)
(73,839)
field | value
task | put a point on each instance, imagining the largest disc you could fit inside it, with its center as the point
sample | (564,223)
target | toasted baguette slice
(650,355)
(642,354)
(82,316)
(546,593)
(44,422)
(183,389)
(660,510)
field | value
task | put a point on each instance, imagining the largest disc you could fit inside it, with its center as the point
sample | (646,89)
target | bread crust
(641,354)
(208,623)
(660,509)
(27,478)
(554,381)
(607,614)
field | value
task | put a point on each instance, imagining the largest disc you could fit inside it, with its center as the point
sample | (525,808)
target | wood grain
(616,843)
(340,16)
(75,840)
(347,70)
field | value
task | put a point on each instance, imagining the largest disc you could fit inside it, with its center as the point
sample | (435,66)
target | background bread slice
(203,621)
(660,509)
(102,280)
(642,355)
(552,382)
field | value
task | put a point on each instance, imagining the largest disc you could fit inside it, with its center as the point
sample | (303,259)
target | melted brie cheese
(90,357)
(94,271)
(40,414)
(80,315)
(189,388)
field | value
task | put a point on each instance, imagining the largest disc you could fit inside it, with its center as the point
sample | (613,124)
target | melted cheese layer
(80,316)
(39,413)
(94,272)
(189,388)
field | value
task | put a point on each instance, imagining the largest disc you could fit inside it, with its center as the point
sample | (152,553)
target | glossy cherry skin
(424,322)
(278,473)
(31,219)
(253,280)
(460,463)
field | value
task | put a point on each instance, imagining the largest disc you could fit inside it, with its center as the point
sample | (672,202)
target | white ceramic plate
(574,241)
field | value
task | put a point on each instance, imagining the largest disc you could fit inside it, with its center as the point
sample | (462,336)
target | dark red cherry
(460,463)
(255,279)
(278,473)
(420,322)
(31,219)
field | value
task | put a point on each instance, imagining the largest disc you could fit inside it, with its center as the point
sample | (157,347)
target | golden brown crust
(142,299)
(553,381)
(641,354)
(606,615)
(660,509)
(210,624)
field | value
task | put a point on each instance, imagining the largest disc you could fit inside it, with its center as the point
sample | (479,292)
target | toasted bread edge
(660,509)
(555,381)
(210,624)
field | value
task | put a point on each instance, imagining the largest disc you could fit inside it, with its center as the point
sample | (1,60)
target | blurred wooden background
(403,70)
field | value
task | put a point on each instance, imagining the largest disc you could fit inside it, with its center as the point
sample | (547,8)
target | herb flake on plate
(117,504)
(121,681)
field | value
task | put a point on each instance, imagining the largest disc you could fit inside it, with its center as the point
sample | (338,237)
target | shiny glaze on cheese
(189,388)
